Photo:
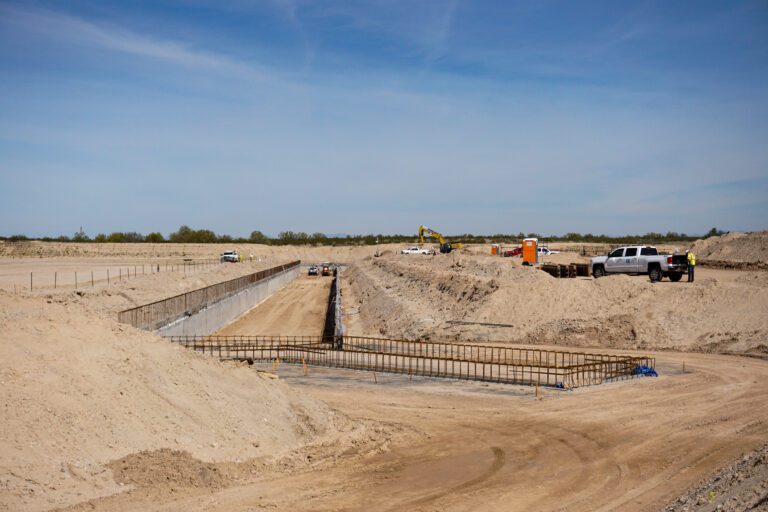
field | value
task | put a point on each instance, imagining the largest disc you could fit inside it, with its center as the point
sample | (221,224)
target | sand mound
(167,467)
(459,298)
(80,390)
(733,248)
(408,298)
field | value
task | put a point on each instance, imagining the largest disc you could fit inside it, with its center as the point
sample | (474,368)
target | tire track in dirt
(499,459)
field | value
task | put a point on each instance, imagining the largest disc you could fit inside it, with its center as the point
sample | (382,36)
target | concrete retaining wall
(224,312)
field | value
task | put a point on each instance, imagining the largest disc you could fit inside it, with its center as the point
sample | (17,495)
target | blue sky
(376,116)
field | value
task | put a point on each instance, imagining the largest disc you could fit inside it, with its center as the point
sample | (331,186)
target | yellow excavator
(445,246)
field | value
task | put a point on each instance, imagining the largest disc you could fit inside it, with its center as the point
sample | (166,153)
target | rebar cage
(468,361)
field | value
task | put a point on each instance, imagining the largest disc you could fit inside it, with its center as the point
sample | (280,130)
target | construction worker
(691,265)
(251,257)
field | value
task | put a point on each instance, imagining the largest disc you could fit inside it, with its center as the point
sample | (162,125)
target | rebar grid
(156,314)
(511,365)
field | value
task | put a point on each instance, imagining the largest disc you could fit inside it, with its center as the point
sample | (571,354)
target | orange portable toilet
(495,249)
(531,251)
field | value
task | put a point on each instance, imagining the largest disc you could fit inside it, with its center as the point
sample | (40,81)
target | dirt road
(296,310)
(632,445)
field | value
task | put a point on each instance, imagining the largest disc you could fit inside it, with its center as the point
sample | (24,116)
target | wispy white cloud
(422,27)
(289,10)
(63,27)
(499,99)
(442,30)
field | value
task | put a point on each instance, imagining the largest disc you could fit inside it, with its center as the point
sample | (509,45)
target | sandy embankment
(80,391)
(89,403)
(464,297)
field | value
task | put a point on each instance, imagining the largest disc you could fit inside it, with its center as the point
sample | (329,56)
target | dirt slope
(80,390)
(734,248)
(743,485)
(626,446)
(466,298)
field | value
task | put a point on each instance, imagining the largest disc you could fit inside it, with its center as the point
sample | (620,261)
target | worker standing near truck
(691,265)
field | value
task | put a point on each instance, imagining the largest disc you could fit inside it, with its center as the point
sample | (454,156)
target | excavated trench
(301,323)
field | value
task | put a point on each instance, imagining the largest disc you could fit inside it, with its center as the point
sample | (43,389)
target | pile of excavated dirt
(79,390)
(459,297)
(738,250)
(741,486)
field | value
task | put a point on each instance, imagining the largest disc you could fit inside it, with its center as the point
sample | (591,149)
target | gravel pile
(738,487)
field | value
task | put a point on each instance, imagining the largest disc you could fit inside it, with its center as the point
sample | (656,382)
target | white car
(544,251)
(230,256)
(417,250)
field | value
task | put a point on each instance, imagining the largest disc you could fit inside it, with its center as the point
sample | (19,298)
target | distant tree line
(187,235)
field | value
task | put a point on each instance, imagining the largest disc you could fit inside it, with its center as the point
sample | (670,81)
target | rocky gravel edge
(741,486)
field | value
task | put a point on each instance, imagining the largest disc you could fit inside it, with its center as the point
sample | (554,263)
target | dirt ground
(296,310)
(633,445)
(42,274)
(80,390)
(461,297)
(742,485)
(100,416)
(734,248)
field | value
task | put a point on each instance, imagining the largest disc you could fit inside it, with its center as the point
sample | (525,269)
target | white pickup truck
(417,250)
(641,259)
(230,257)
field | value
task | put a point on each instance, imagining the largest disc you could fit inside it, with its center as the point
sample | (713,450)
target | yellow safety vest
(691,259)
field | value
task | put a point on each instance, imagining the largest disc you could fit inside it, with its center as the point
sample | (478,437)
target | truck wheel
(675,277)
(655,274)
(598,271)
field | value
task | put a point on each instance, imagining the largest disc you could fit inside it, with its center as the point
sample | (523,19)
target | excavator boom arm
(434,234)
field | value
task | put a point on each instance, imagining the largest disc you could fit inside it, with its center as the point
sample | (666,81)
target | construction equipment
(445,246)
